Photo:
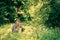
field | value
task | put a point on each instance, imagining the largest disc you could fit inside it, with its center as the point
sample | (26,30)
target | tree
(54,15)
(7,9)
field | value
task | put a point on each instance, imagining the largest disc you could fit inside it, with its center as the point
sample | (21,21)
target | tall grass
(31,33)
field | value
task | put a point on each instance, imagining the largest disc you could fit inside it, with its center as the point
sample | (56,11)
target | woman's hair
(16,20)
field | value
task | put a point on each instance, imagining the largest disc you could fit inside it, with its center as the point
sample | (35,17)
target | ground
(30,33)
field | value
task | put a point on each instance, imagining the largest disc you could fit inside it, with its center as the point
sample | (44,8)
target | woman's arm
(14,28)
(22,29)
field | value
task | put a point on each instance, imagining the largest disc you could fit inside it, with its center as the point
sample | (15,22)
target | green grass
(31,33)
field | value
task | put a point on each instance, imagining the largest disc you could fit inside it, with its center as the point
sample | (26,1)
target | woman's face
(17,23)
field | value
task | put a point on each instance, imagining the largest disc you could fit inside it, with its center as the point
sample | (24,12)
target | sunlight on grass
(30,33)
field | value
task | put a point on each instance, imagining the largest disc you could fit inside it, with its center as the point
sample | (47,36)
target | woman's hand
(16,30)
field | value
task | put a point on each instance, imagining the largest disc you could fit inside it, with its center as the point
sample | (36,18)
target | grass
(31,33)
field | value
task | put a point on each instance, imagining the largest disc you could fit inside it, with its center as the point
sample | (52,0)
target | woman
(17,26)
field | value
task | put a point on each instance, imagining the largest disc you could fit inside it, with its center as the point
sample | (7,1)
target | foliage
(35,17)
(36,11)
(53,19)
(7,9)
